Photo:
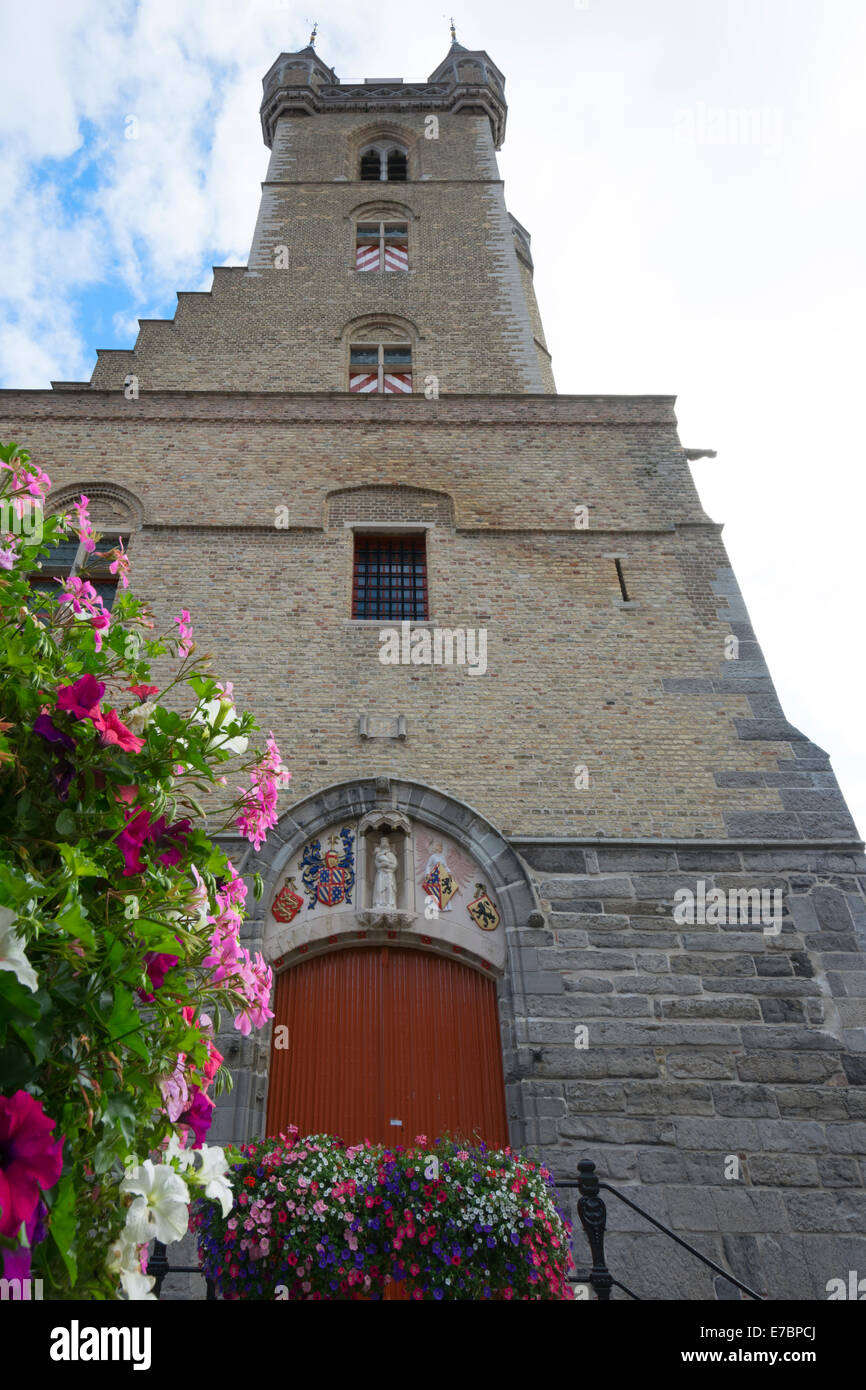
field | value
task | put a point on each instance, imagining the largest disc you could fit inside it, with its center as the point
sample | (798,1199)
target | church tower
(555,870)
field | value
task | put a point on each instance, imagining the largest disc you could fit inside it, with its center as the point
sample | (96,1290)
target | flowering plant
(119,917)
(318,1219)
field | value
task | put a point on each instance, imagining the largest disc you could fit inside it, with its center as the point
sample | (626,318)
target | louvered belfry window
(390,577)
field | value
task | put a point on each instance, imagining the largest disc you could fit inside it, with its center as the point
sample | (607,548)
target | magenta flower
(9,554)
(81,698)
(44,725)
(198,1117)
(30,1159)
(130,841)
(157,964)
(80,593)
(176,836)
(99,622)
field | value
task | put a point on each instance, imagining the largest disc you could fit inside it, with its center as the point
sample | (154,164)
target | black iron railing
(158,1265)
(592,1211)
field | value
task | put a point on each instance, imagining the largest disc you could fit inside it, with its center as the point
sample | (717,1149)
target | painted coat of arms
(330,877)
(287,903)
(439,882)
(482,910)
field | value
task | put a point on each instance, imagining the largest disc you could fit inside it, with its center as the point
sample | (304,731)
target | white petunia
(185,1157)
(161,1207)
(12,955)
(138,719)
(122,1255)
(218,715)
(213,1176)
(137,1286)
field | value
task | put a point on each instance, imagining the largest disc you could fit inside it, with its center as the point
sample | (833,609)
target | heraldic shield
(287,903)
(482,910)
(329,878)
(439,885)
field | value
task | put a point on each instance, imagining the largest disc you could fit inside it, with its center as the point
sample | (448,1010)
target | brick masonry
(705,1042)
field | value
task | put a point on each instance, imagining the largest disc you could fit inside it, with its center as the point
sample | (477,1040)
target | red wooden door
(383,1035)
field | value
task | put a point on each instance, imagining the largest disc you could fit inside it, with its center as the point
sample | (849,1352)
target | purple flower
(44,725)
(15,1264)
(61,777)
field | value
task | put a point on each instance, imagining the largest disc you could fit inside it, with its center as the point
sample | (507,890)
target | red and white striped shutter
(367,257)
(396,255)
(364,381)
(396,382)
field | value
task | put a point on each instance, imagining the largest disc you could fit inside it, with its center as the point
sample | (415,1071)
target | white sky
(691,172)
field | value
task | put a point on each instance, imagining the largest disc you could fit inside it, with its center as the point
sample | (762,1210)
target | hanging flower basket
(316,1219)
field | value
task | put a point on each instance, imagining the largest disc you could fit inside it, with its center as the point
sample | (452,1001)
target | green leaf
(124,1024)
(62,1224)
(66,823)
(73,919)
(77,862)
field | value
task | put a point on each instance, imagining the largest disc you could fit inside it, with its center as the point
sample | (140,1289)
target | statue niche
(386,878)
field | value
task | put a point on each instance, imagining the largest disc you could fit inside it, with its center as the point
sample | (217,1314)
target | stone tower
(551,833)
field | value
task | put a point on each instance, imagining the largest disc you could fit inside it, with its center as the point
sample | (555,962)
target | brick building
(541,776)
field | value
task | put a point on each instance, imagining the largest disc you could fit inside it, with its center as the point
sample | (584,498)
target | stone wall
(705,1043)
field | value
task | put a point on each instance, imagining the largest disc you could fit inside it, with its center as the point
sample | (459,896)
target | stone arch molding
(109,502)
(381,133)
(322,853)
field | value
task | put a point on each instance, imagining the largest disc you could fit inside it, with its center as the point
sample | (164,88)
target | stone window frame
(380,331)
(395,533)
(114,511)
(381,211)
(384,149)
(385,225)
(382,135)
(389,528)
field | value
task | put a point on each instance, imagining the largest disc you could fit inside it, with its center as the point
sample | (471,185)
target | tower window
(385,164)
(396,166)
(381,245)
(371,165)
(69,557)
(390,576)
(381,368)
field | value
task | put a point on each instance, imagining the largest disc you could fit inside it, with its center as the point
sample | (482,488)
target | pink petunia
(113,730)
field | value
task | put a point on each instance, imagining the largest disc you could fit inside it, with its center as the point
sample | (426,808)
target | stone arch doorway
(319,882)
(385,1043)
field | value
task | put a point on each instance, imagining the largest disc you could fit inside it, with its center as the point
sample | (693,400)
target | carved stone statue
(385,882)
